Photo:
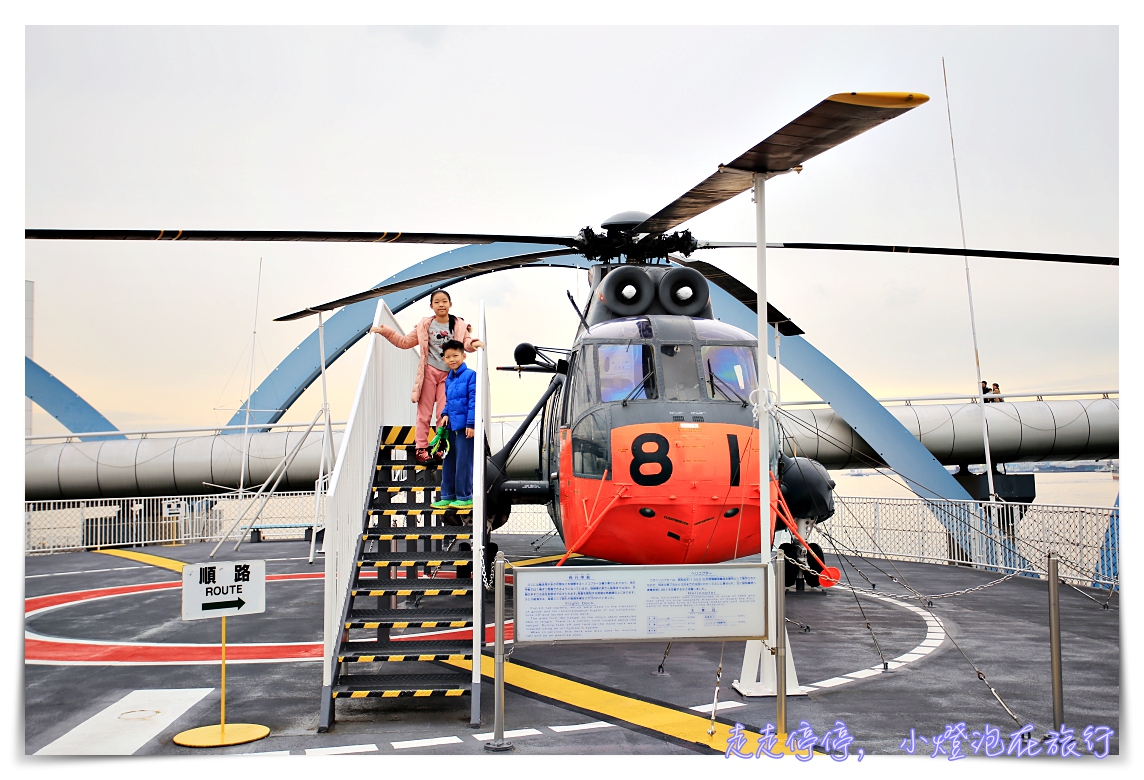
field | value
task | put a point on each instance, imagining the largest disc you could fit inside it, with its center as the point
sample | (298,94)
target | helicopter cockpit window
(627,371)
(680,379)
(583,383)
(590,445)
(729,373)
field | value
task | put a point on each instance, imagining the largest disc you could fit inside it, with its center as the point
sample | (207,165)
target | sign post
(176,511)
(222,589)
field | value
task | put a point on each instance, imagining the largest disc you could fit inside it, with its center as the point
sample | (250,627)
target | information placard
(639,603)
(223,589)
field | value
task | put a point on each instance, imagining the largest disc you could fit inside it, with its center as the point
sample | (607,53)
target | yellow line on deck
(654,717)
(150,560)
(545,559)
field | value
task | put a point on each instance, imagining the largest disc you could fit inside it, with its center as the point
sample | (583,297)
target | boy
(460,415)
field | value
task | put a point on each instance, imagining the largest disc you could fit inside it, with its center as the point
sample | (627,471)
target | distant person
(985,390)
(460,415)
(997,394)
(431,334)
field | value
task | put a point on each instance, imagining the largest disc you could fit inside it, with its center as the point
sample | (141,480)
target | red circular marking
(78,651)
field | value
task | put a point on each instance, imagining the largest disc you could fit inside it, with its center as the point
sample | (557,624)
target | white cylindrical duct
(1023,431)
(165,466)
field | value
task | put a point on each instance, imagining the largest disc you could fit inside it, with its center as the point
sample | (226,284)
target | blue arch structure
(63,403)
(301,368)
(1108,567)
(889,438)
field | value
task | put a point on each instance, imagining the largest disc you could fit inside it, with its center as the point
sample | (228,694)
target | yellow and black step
(412,559)
(458,617)
(403,488)
(396,652)
(368,537)
(406,467)
(423,510)
(393,686)
(405,435)
(426,586)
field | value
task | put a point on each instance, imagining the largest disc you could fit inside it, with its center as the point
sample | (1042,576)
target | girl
(430,334)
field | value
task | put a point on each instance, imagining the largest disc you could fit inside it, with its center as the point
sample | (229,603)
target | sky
(543,130)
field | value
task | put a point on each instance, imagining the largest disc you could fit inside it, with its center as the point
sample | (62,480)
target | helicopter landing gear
(796,576)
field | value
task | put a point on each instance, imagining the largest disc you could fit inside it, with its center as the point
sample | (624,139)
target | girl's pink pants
(432,392)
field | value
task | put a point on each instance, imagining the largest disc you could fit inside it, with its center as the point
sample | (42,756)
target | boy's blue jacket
(461,398)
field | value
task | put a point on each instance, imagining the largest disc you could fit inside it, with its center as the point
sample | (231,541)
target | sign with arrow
(223,589)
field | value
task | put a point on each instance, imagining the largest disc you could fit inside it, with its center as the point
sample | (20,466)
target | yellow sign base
(220,735)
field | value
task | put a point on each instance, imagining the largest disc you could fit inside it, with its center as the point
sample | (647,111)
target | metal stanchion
(780,644)
(498,745)
(1055,642)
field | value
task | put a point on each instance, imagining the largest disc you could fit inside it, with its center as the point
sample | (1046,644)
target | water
(1092,488)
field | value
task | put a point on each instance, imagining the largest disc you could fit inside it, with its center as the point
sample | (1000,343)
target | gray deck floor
(1003,630)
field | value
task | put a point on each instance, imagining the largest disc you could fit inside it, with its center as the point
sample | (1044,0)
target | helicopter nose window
(680,376)
(626,372)
(591,445)
(729,373)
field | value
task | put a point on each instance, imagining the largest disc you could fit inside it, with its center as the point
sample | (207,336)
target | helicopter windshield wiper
(713,376)
(642,382)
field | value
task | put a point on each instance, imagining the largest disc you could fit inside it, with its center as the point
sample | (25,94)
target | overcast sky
(544,131)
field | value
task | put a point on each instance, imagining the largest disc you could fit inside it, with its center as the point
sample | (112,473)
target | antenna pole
(969,289)
(764,378)
(249,386)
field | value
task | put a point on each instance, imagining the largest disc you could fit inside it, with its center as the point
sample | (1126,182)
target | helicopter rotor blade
(337,236)
(472,269)
(832,122)
(742,293)
(925,250)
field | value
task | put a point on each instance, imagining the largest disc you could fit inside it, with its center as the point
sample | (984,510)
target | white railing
(72,525)
(154,432)
(483,417)
(382,397)
(997,537)
(911,400)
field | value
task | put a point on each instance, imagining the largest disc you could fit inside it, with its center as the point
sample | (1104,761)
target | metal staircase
(411,588)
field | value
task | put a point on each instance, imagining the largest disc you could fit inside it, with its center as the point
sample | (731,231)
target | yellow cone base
(218,736)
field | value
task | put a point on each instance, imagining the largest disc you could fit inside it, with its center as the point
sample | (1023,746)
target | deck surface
(71,688)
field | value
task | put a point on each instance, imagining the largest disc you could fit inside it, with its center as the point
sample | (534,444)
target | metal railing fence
(72,525)
(1002,537)
(996,537)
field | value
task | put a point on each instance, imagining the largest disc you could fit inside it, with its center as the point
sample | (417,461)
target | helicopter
(649,429)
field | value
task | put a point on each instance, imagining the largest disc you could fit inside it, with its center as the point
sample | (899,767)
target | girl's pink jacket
(420,338)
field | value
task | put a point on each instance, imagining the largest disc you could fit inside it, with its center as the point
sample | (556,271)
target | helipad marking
(935,636)
(414,743)
(153,560)
(84,571)
(127,725)
(723,705)
(512,734)
(599,724)
(340,750)
(653,717)
(65,651)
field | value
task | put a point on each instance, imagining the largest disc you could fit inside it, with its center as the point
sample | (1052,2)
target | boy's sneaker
(466,504)
(443,503)
(423,457)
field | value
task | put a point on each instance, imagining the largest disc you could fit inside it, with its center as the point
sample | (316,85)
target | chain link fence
(995,537)
(63,526)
